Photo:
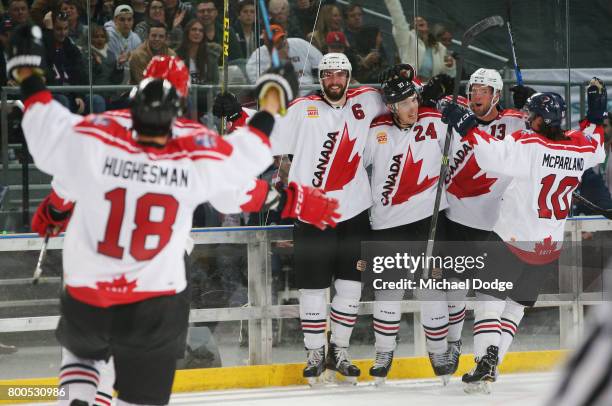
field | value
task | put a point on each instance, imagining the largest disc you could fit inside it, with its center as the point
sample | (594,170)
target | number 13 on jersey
(145,226)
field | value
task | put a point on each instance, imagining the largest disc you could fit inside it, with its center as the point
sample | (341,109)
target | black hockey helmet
(397,88)
(550,106)
(154,104)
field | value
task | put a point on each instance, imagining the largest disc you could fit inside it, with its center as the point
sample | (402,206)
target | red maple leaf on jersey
(545,247)
(118,285)
(467,184)
(409,181)
(342,170)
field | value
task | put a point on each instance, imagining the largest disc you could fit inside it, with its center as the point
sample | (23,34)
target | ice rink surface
(516,389)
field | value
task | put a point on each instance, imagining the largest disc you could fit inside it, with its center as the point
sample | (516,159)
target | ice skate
(441,366)
(454,353)
(315,366)
(338,360)
(478,380)
(381,367)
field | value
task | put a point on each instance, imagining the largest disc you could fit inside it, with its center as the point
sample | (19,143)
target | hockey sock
(313,315)
(456,313)
(434,317)
(386,318)
(79,377)
(104,395)
(344,308)
(487,324)
(510,320)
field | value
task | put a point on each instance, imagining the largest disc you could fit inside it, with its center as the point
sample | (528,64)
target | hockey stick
(517,69)
(607,213)
(266,20)
(41,258)
(225,55)
(468,37)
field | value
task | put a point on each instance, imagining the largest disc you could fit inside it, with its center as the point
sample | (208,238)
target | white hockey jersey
(327,145)
(126,238)
(544,175)
(405,168)
(474,195)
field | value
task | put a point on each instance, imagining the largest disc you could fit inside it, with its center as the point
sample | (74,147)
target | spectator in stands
(121,39)
(178,13)
(336,42)
(295,50)
(353,20)
(156,44)
(244,27)
(330,19)
(40,8)
(18,13)
(76,31)
(107,11)
(67,67)
(156,12)
(306,12)
(104,63)
(417,46)
(280,15)
(207,13)
(199,56)
(140,8)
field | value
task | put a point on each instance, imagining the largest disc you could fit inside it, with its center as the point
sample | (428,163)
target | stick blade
(481,26)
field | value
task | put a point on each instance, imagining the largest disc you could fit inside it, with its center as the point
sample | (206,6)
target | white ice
(516,389)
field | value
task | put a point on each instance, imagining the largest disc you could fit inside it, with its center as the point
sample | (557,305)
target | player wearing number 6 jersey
(545,164)
(135,192)
(326,134)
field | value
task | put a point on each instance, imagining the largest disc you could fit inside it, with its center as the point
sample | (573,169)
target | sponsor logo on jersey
(381,137)
(312,112)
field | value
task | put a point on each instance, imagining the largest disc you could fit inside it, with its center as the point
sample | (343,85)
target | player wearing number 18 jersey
(545,164)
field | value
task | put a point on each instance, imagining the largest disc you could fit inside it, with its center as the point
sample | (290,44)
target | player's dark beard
(334,95)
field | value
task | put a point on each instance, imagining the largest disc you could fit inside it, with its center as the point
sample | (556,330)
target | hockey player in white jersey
(326,134)
(545,164)
(474,198)
(404,148)
(124,279)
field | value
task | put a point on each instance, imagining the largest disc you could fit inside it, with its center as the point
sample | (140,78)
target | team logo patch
(312,112)
(99,121)
(206,141)
(381,137)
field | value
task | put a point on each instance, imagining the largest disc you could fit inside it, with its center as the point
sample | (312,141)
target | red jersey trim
(533,258)
(511,113)
(101,298)
(359,90)
(556,146)
(429,110)
(385,119)
(258,197)
(261,135)
(44,97)
(313,97)
(120,113)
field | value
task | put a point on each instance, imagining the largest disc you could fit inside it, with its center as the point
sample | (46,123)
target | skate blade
(333,377)
(483,387)
(445,379)
(380,381)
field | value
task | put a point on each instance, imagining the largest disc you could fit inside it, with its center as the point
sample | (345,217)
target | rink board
(258,376)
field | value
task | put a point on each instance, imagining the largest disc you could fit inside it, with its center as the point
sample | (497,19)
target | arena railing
(261,310)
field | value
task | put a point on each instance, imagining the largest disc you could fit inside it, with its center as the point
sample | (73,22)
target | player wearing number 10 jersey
(546,164)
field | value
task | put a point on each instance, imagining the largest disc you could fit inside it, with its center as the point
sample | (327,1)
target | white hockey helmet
(334,61)
(487,77)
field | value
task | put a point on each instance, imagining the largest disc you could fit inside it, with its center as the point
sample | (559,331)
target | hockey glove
(520,94)
(52,215)
(284,80)
(597,101)
(401,69)
(459,118)
(26,50)
(309,205)
(226,105)
(436,88)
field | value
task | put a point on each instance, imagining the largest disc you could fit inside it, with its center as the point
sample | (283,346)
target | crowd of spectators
(125,34)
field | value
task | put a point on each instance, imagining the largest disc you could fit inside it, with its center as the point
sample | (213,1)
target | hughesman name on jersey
(145,173)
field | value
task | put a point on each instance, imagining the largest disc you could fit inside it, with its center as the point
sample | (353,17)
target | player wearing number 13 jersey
(546,164)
